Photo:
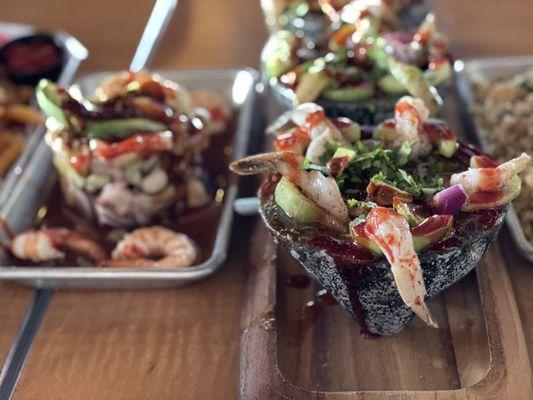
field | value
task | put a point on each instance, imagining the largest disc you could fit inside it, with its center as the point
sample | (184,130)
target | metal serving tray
(75,53)
(491,69)
(38,176)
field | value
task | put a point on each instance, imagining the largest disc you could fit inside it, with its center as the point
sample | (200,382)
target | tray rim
(507,347)
(130,278)
(478,134)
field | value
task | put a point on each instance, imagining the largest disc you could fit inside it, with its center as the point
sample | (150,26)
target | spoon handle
(153,32)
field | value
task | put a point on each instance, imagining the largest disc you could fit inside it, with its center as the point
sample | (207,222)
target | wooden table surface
(184,343)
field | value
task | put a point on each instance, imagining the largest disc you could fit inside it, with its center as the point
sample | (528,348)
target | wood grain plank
(467,329)
(322,348)
(521,274)
(14,300)
(507,375)
(201,33)
(140,345)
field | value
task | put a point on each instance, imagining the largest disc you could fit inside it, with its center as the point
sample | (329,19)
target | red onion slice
(450,200)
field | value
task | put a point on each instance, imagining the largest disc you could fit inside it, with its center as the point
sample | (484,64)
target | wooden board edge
(509,374)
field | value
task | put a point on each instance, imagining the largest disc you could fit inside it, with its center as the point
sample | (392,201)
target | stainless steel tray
(75,53)
(491,69)
(30,190)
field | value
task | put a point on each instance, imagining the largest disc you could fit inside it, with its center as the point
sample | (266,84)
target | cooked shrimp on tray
(131,162)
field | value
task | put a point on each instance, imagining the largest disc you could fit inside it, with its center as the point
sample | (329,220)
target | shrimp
(153,247)
(218,107)
(144,83)
(309,117)
(320,189)
(492,178)
(356,11)
(45,244)
(313,131)
(390,232)
(410,114)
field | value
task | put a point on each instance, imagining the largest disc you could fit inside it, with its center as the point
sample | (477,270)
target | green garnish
(390,167)
(308,166)
(365,205)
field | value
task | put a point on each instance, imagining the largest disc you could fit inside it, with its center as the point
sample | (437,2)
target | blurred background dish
(28,59)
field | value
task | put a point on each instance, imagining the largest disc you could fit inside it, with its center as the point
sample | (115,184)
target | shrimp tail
(422,311)
(264,163)
(390,232)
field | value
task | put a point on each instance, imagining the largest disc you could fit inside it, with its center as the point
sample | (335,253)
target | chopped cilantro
(365,205)
(308,166)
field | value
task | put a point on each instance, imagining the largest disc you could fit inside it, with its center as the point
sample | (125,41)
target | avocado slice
(342,152)
(50,99)
(120,128)
(406,211)
(390,85)
(363,91)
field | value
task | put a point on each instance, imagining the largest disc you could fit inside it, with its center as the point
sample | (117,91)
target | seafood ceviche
(320,13)
(129,157)
(134,150)
(368,60)
(397,191)
(15,116)
(505,113)
(148,247)
(294,13)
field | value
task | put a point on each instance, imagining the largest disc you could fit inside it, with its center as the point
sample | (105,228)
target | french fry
(23,114)
(11,146)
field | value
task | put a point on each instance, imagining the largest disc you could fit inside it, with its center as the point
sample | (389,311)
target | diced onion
(450,200)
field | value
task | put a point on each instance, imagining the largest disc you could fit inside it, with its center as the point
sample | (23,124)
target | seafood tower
(131,153)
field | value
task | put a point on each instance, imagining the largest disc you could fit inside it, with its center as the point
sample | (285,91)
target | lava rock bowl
(371,111)
(362,282)
(364,112)
(315,27)
(28,59)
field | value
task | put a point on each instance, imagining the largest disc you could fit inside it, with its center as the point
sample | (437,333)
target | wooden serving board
(296,345)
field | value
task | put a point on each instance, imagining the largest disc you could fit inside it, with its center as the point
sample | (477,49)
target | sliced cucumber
(384,132)
(355,93)
(311,85)
(120,128)
(351,131)
(440,75)
(277,54)
(294,203)
(359,237)
(389,84)
(413,80)
(344,152)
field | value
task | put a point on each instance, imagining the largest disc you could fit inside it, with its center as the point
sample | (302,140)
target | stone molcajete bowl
(361,282)
(365,112)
